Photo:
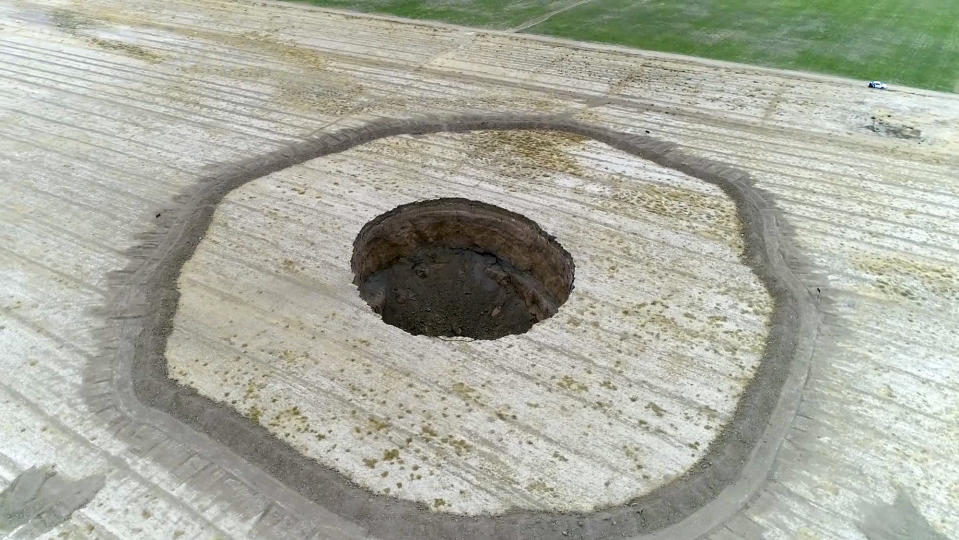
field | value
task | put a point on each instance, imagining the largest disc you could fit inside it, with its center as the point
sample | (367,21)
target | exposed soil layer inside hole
(455,267)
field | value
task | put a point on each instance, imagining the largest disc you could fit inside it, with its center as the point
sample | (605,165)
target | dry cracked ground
(116,116)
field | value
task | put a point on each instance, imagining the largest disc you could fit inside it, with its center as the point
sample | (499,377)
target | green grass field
(498,14)
(910,42)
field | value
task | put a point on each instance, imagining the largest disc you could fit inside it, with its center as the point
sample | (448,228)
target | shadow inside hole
(455,267)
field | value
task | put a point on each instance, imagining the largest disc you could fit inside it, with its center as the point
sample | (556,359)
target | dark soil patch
(442,291)
(886,126)
(454,267)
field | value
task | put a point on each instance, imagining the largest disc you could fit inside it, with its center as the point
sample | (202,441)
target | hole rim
(520,242)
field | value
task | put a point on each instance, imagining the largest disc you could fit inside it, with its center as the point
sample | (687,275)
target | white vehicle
(879,85)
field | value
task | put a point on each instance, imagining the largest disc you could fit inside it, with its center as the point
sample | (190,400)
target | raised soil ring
(144,298)
(456,267)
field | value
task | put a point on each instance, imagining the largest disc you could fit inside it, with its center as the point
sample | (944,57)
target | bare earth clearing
(113,113)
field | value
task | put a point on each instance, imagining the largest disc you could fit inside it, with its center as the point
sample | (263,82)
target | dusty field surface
(114,113)
(621,390)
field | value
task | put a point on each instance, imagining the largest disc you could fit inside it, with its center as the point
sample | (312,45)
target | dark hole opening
(455,267)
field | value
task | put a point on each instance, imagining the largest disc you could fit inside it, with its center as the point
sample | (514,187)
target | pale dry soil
(620,391)
(109,109)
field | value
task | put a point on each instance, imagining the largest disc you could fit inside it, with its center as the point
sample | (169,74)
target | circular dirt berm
(456,267)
